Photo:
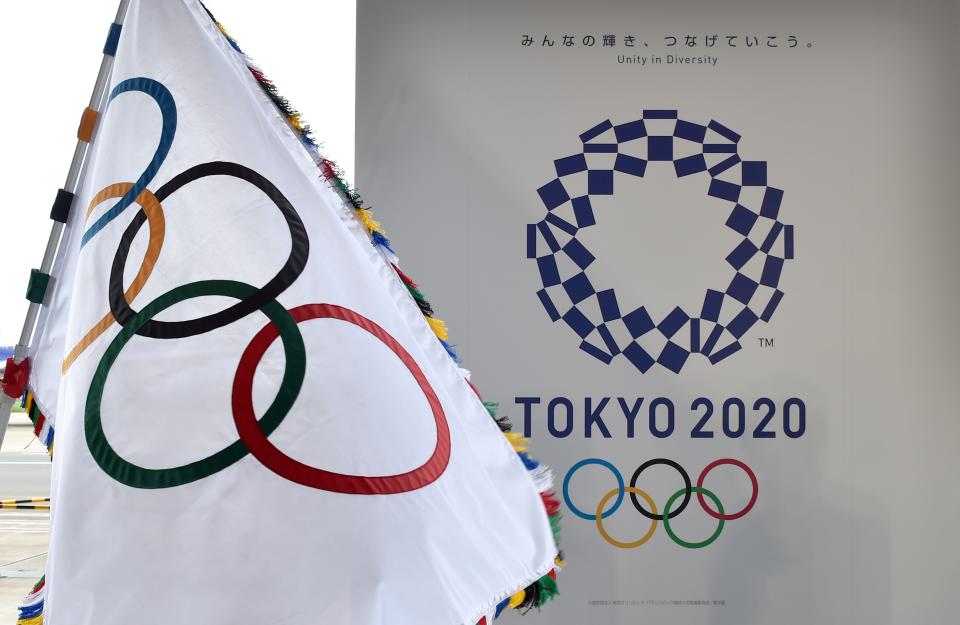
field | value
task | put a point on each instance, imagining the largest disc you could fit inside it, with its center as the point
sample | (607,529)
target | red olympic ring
(753,496)
(256,441)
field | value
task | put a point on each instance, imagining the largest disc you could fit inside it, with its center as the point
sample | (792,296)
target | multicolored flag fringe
(42,426)
(31,610)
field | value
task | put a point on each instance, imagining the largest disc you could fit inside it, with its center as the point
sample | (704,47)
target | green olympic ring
(666,518)
(131,474)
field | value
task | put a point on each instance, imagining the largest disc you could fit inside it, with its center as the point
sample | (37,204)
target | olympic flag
(257,417)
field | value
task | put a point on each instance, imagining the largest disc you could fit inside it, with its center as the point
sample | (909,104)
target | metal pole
(56,232)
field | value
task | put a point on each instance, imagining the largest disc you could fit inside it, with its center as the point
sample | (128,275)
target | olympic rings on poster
(669,511)
(283,323)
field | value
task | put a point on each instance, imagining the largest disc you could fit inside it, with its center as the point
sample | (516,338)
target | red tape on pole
(15,377)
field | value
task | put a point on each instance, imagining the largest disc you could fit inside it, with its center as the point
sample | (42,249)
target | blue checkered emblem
(710,152)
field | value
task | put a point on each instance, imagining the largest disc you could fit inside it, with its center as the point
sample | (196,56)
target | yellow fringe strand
(366,216)
(517,599)
(520,444)
(439,327)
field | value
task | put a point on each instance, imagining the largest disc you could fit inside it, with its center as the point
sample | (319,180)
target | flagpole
(62,205)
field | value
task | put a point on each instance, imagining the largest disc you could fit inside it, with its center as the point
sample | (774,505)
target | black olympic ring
(291,270)
(687,486)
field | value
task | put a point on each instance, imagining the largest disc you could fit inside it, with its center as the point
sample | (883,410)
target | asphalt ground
(24,534)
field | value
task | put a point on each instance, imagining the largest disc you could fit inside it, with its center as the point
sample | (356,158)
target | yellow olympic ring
(155,219)
(613,541)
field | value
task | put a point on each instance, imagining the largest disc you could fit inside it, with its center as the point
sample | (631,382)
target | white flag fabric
(255,420)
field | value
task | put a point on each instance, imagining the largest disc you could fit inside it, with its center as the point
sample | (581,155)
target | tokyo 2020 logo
(708,153)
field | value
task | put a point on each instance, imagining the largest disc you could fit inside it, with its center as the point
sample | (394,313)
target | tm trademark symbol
(765,342)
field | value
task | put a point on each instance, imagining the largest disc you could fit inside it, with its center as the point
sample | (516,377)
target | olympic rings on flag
(253,434)
(669,513)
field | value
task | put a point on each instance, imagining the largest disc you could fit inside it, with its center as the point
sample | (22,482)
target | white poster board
(667,234)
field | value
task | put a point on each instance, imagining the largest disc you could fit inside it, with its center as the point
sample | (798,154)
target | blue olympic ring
(566,488)
(168,110)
